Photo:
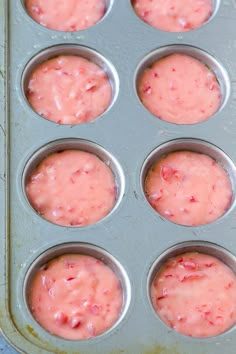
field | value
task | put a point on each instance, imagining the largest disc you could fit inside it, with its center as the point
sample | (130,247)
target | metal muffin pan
(133,234)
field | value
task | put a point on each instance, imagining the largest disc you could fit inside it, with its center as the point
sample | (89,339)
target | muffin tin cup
(80,145)
(109,4)
(80,249)
(215,8)
(194,145)
(207,248)
(75,50)
(212,63)
(133,233)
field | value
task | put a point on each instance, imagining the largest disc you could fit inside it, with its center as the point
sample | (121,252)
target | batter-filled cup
(190,91)
(73,187)
(69,15)
(188,187)
(194,292)
(180,89)
(69,84)
(79,294)
(174,15)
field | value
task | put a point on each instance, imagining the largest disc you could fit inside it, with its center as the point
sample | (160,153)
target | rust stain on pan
(159,349)
(32,332)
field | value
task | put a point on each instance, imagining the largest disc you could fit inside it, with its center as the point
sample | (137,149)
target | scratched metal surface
(5,347)
(134,233)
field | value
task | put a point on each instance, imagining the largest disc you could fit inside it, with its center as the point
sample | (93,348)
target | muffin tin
(133,237)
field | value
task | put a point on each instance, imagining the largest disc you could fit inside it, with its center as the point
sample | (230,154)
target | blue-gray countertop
(5,348)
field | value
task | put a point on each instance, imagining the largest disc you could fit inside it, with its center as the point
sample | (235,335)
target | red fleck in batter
(195,294)
(69,90)
(180,89)
(69,15)
(174,15)
(72,188)
(188,188)
(75,297)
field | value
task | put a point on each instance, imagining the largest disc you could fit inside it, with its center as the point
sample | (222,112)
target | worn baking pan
(133,239)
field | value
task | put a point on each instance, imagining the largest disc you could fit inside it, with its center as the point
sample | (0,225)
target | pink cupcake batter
(68,16)
(72,188)
(188,188)
(75,297)
(174,15)
(180,89)
(69,90)
(195,294)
